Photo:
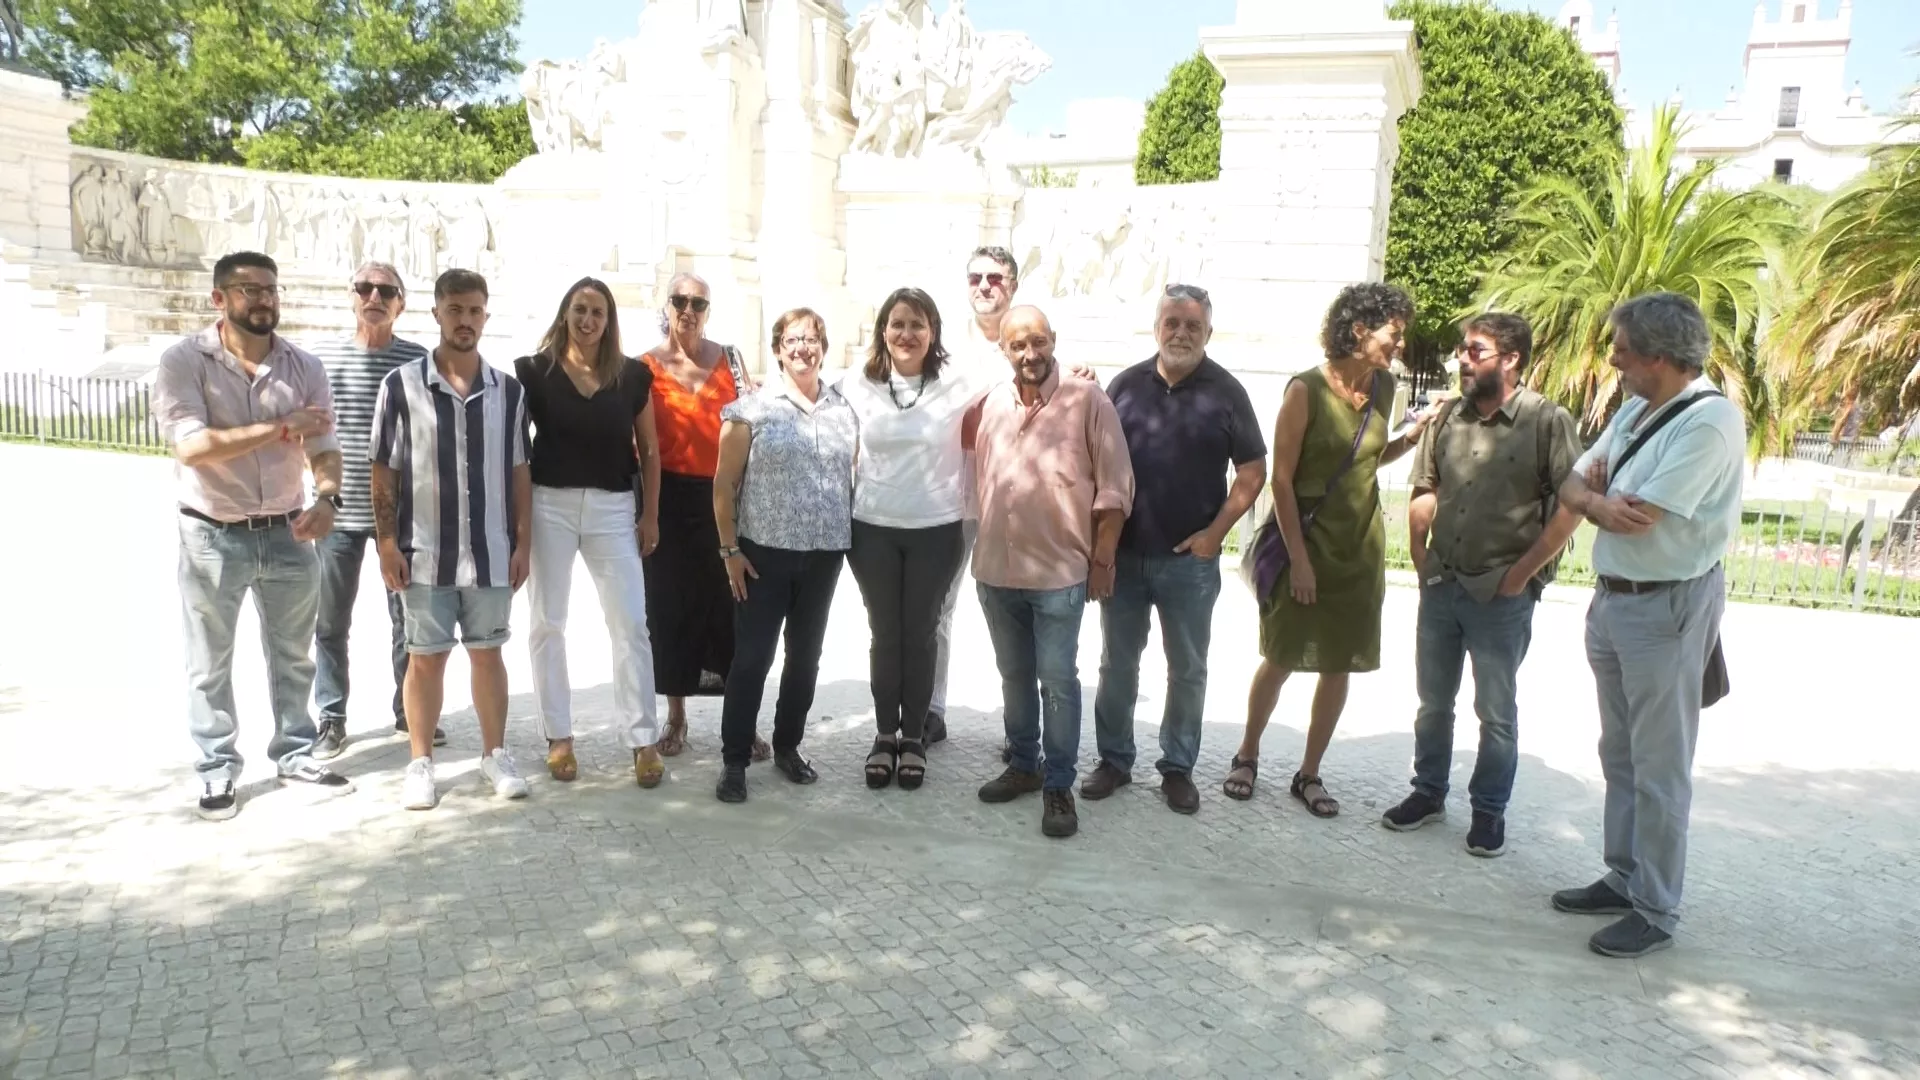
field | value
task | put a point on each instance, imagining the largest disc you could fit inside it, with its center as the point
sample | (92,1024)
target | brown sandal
(674,742)
(1241,789)
(561,764)
(1322,805)
(648,773)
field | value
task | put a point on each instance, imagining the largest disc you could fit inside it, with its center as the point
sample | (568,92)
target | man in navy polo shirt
(1188,423)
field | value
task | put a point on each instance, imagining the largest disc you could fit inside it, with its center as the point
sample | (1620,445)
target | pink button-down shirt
(1041,471)
(200,385)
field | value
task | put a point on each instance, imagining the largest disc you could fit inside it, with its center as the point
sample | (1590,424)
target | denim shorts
(433,611)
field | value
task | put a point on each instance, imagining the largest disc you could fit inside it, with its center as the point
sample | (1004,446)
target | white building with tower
(1793,118)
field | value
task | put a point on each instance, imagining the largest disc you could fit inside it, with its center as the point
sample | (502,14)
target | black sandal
(881,761)
(1321,806)
(1245,792)
(912,772)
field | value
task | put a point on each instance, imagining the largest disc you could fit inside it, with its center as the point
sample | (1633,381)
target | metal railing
(1868,454)
(74,411)
(1800,553)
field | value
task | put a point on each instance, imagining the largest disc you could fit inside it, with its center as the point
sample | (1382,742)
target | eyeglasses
(257,293)
(368,288)
(1475,351)
(682,302)
(796,342)
(994,281)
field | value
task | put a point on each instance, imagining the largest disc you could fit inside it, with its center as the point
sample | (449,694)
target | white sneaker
(416,789)
(499,770)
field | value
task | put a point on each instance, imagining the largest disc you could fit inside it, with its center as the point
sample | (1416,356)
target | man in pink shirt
(1053,484)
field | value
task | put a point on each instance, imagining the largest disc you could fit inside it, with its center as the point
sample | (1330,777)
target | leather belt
(1634,588)
(252,524)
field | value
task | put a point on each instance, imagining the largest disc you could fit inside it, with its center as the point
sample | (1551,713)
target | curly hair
(1370,304)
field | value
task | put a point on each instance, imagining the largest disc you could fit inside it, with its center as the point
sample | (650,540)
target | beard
(259,321)
(1480,389)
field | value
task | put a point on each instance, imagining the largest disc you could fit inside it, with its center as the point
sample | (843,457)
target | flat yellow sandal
(648,773)
(561,764)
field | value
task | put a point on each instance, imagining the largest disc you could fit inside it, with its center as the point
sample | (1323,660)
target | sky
(1123,48)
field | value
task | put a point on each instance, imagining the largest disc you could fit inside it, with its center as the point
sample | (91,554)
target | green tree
(1656,227)
(1180,142)
(1507,97)
(357,87)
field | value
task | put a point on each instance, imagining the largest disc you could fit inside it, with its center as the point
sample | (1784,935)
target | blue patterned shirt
(797,491)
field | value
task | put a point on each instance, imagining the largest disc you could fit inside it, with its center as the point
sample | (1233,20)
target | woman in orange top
(689,601)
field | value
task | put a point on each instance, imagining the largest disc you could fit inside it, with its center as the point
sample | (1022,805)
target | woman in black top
(593,436)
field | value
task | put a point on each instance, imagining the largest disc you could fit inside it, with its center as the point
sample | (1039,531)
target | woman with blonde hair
(783,504)
(593,444)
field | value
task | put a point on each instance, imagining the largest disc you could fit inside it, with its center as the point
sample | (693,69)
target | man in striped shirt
(355,365)
(453,518)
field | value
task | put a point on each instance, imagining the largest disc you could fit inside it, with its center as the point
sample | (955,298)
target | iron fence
(69,410)
(1800,553)
(1869,454)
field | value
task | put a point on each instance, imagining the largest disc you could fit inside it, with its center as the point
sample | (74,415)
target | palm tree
(1657,228)
(1856,327)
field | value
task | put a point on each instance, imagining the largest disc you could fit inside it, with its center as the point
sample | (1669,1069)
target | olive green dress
(1340,630)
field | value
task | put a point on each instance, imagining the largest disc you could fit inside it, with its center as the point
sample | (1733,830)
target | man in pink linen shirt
(1054,484)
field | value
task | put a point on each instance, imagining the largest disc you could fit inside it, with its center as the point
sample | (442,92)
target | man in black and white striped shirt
(453,518)
(355,365)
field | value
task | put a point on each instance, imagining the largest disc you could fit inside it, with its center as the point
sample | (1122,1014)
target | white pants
(599,526)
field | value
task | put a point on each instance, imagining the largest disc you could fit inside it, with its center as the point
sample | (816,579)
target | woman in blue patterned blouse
(783,505)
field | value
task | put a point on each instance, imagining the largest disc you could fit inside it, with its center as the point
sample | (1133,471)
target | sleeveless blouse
(688,421)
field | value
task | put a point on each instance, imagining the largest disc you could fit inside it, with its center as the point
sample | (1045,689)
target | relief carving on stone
(920,82)
(165,215)
(1111,250)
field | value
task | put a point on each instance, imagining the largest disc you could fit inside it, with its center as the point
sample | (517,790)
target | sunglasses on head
(368,288)
(992,280)
(682,302)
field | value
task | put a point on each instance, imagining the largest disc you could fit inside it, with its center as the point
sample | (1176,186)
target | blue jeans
(1182,588)
(341,553)
(217,569)
(1036,643)
(1452,627)
(477,616)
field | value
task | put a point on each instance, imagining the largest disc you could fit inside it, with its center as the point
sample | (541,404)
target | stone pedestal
(34,176)
(1314,92)
(912,221)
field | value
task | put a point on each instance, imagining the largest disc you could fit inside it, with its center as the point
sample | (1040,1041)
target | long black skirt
(689,603)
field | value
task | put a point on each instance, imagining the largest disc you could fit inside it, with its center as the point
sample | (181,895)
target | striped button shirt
(355,372)
(456,459)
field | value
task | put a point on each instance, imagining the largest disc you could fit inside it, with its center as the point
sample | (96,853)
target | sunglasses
(368,288)
(994,281)
(682,302)
(1475,352)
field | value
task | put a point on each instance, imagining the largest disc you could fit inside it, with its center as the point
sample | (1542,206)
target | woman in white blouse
(908,502)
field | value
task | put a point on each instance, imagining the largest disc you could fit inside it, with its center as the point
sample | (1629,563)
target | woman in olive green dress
(1324,614)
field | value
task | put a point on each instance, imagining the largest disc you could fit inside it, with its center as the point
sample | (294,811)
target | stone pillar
(35,176)
(805,129)
(1309,137)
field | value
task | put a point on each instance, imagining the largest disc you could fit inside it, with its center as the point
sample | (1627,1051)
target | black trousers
(904,575)
(794,588)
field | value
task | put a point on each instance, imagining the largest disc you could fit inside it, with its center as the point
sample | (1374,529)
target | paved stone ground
(596,929)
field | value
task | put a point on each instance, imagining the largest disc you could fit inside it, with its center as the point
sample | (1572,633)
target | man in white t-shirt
(1663,484)
(992,279)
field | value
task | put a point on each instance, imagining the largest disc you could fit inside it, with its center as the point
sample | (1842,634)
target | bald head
(1026,337)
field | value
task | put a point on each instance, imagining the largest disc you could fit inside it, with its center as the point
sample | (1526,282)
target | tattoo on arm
(386,505)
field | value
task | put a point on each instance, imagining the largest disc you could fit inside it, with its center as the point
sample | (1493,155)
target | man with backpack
(1486,531)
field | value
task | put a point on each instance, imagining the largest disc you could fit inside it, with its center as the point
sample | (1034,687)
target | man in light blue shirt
(1663,485)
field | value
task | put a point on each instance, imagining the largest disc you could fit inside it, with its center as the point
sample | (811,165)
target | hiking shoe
(733,784)
(217,801)
(1059,818)
(309,771)
(1009,786)
(417,791)
(439,732)
(1595,899)
(1630,937)
(1414,811)
(329,740)
(499,770)
(1105,779)
(1487,837)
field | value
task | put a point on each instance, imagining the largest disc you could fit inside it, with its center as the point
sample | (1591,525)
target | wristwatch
(334,500)
(729,552)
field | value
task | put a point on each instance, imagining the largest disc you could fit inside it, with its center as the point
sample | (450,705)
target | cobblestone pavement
(599,930)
